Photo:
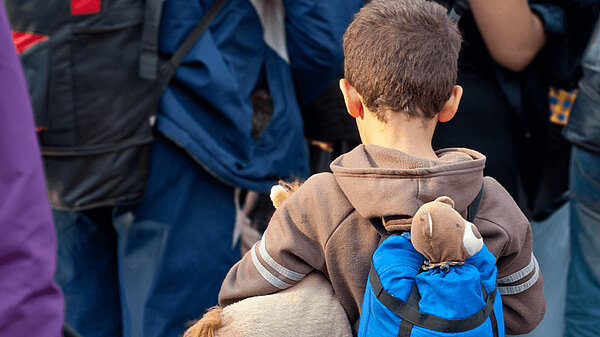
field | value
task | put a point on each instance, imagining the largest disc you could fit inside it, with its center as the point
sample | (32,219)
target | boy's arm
(520,284)
(290,248)
(507,234)
(279,260)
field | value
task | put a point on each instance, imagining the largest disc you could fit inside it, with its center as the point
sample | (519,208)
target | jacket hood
(383,182)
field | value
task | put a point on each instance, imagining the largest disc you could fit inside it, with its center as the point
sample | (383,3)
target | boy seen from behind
(400,75)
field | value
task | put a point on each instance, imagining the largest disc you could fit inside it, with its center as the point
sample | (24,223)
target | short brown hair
(402,55)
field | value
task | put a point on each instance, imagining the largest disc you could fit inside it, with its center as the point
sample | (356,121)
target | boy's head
(401,56)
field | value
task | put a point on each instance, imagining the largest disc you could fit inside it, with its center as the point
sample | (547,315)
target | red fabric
(24,41)
(80,7)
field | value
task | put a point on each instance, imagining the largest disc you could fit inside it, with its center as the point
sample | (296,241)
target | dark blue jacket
(207,108)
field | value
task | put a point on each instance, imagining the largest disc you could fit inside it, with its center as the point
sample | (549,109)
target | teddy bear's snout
(472,240)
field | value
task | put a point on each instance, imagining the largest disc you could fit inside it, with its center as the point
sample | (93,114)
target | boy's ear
(451,106)
(352,99)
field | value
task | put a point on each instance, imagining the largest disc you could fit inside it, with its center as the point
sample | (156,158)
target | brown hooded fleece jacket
(324,225)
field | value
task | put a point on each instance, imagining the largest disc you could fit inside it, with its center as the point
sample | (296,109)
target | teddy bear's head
(441,234)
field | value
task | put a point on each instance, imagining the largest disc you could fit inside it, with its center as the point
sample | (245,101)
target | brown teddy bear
(442,235)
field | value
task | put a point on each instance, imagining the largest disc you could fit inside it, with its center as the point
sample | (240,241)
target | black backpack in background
(95,79)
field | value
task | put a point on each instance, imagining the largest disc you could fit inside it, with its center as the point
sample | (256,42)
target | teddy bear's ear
(427,227)
(446,200)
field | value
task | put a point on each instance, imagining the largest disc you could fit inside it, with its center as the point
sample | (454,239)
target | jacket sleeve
(290,248)
(520,284)
(509,238)
(30,302)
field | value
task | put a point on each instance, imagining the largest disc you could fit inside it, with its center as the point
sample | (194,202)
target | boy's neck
(411,135)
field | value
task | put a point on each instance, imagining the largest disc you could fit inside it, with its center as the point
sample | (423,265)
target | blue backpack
(403,300)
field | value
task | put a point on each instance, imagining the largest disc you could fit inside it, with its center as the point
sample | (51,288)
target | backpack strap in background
(149,55)
(474,206)
(193,37)
(169,68)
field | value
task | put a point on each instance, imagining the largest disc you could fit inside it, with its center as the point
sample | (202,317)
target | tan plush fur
(441,234)
(210,322)
(307,309)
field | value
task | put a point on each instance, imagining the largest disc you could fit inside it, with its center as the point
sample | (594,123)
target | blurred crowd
(139,141)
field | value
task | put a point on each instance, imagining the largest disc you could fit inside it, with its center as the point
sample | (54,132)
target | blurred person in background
(145,241)
(513,52)
(229,121)
(30,302)
(583,130)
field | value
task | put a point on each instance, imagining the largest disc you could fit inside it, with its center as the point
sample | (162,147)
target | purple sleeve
(30,302)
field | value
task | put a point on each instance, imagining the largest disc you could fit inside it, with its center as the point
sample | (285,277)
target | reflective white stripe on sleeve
(521,273)
(519,288)
(290,274)
(265,273)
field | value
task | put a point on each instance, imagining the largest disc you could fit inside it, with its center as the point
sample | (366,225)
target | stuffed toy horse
(307,309)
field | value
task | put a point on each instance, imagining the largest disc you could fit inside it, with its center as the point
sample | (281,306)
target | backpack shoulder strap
(378,225)
(405,328)
(169,68)
(149,54)
(474,206)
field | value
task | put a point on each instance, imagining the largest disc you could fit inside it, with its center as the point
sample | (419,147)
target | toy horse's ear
(278,195)
(446,200)
(282,191)
(428,224)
